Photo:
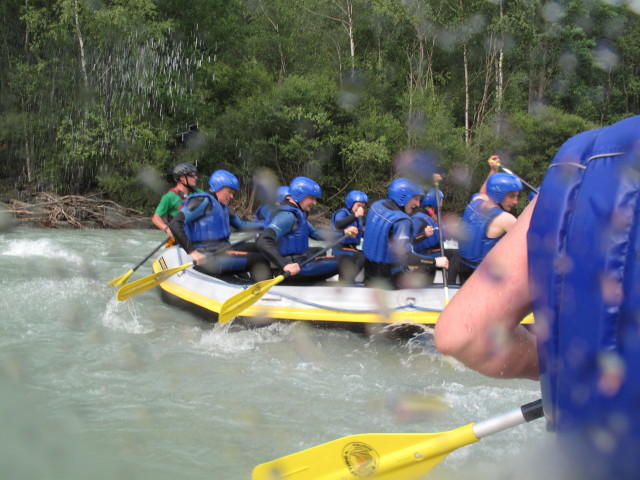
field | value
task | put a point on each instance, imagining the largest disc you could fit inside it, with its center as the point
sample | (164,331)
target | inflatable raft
(328,304)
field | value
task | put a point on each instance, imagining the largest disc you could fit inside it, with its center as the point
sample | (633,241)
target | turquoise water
(95,387)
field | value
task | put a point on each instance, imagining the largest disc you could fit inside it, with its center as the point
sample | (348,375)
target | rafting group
(401,246)
(571,258)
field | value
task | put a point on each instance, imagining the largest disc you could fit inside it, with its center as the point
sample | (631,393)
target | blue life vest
(295,242)
(208,224)
(421,219)
(474,244)
(264,213)
(358,223)
(584,268)
(380,221)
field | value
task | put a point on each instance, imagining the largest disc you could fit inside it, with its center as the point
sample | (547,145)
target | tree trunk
(83,63)
(276,27)
(500,73)
(467,101)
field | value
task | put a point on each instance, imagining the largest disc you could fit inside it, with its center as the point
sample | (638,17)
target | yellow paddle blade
(234,306)
(375,456)
(134,288)
(121,280)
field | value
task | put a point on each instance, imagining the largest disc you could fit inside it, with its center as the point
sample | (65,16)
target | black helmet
(183,169)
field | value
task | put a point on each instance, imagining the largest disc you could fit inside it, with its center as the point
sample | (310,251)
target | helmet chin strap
(186,185)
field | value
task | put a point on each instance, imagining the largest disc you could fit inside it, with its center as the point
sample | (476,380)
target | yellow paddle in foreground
(387,456)
(121,280)
(234,306)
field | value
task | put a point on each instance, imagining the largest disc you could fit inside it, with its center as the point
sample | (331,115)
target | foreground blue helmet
(222,178)
(429,200)
(355,196)
(499,184)
(300,187)
(402,189)
(282,193)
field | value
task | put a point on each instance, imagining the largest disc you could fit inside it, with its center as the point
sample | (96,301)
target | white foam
(40,248)
(123,317)
(220,340)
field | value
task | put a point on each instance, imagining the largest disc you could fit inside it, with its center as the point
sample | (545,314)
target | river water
(93,387)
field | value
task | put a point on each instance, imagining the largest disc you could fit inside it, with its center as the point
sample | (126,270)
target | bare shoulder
(501,225)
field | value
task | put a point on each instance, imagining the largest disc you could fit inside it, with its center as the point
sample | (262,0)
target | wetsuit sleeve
(402,232)
(419,226)
(267,241)
(239,224)
(414,258)
(323,234)
(176,225)
(341,222)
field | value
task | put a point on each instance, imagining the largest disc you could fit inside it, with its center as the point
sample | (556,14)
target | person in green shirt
(185,175)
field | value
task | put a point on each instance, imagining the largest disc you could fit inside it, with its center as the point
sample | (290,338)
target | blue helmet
(355,196)
(429,200)
(499,184)
(300,187)
(402,190)
(282,193)
(222,178)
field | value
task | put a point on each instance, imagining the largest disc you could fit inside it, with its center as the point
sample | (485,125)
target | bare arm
(501,225)
(160,224)
(481,326)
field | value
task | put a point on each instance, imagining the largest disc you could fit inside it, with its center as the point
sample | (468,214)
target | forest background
(107,95)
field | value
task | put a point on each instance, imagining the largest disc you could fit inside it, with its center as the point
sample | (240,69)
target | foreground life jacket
(296,242)
(474,244)
(358,223)
(421,219)
(207,224)
(584,270)
(380,221)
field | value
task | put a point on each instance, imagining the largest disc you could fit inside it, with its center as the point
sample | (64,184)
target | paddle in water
(121,280)
(134,288)
(234,306)
(387,456)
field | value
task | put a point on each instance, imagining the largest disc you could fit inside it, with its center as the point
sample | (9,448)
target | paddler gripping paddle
(387,456)
(235,305)
(506,170)
(134,288)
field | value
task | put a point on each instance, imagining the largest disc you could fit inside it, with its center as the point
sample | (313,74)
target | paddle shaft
(526,413)
(151,254)
(317,254)
(390,456)
(531,187)
(444,270)
(123,278)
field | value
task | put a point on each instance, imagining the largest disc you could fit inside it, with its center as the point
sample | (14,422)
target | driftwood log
(53,211)
(76,211)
